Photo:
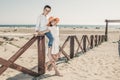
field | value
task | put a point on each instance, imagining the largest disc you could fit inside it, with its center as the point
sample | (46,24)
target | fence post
(106,31)
(72,46)
(96,40)
(84,43)
(91,41)
(99,40)
(102,38)
(41,54)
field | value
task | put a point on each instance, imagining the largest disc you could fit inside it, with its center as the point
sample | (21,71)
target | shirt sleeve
(38,24)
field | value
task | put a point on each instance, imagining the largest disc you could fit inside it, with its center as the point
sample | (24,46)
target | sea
(67,26)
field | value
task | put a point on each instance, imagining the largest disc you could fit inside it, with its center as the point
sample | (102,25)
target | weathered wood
(106,30)
(91,41)
(23,49)
(102,39)
(79,44)
(41,54)
(96,40)
(71,46)
(65,43)
(64,53)
(84,43)
(17,67)
(99,40)
(88,41)
(63,46)
(112,21)
(18,53)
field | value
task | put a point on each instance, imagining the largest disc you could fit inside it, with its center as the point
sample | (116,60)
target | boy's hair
(47,6)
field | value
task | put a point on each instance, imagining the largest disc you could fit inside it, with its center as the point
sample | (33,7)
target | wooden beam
(72,46)
(106,31)
(91,41)
(84,43)
(63,46)
(64,53)
(96,40)
(114,21)
(18,53)
(17,67)
(79,44)
(41,54)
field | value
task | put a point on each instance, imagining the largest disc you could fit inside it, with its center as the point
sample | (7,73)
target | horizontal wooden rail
(84,44)
(41,58)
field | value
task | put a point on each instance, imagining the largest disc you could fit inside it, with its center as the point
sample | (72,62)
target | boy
(42,28)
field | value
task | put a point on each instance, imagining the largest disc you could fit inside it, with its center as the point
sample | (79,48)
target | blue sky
(69,11)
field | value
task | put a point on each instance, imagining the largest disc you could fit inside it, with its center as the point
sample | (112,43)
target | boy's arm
(37,31)
(41,32)
(45,31)
(37,24)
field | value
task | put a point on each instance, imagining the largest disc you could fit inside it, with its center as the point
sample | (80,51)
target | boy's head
(46,10)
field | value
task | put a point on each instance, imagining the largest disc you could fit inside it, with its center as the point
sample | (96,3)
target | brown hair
(47,6)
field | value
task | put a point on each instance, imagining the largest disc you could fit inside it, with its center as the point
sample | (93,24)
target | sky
(69,11)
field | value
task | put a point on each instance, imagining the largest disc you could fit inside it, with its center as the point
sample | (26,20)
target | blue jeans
(50,37)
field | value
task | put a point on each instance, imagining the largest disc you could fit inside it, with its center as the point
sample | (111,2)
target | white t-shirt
(41,23)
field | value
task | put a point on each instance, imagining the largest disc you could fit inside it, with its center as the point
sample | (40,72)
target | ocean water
(68,26)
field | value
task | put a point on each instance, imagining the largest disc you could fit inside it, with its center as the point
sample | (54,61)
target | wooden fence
(84,44)
(41,58)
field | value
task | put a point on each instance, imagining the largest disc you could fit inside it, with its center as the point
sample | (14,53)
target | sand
(100,63)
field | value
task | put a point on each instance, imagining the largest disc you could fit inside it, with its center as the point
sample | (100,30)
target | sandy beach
(100,63)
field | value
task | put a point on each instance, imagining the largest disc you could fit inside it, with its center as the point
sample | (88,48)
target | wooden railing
(41,58)
(84,44)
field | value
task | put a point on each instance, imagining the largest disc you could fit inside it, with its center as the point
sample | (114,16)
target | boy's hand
(41,33)
(36,34)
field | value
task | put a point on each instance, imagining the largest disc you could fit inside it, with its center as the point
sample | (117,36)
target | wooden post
(91,41)
(71,46)
(102,38)
(106,31)
(84,43)
(99,40)
(96,42)
(41,54)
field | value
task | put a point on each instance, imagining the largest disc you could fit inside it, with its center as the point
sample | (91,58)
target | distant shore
(66,26)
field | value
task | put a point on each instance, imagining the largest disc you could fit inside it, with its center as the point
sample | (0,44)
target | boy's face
(46,11)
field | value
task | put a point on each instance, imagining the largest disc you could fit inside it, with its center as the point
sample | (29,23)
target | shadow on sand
(23,76)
